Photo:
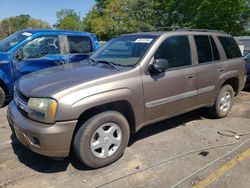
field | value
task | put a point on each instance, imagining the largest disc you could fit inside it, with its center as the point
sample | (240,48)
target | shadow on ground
(247,89)
(165,125)
(44,164)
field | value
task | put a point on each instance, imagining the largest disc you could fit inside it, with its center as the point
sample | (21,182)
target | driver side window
(41,46)
(176,50)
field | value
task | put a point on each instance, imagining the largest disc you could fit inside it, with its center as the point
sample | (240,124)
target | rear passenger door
(173,91)
(209,68)
(80,48)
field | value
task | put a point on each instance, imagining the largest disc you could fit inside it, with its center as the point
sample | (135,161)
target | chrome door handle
(190,76)
(221,70)
(59,62)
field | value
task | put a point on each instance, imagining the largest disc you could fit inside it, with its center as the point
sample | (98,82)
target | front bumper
(46,139)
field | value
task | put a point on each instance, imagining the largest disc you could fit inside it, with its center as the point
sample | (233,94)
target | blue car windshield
(12,40)
(124,50)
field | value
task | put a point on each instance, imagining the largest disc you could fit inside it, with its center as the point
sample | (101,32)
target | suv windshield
(12,40)
(124,50)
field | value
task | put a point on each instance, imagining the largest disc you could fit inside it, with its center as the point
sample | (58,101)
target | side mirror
(159,66)
(18,55)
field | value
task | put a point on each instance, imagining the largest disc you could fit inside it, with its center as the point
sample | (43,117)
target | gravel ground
(156,143)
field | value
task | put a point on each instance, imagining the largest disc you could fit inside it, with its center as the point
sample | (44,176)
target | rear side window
(206,49)
(79,44)
(203,49)
(231,48)
(176,50)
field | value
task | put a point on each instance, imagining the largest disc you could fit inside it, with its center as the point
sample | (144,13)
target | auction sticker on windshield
(26,34)
(143,40)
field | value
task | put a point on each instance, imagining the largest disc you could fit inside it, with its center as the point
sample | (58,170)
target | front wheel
(223,103)
(2,97)
(102,139)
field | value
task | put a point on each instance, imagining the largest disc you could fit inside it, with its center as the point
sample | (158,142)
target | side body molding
(174,98)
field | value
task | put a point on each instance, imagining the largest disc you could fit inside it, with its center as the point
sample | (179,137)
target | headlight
(42,109)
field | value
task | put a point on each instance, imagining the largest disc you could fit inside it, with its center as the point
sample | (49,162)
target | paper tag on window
(143,40)
(26,34)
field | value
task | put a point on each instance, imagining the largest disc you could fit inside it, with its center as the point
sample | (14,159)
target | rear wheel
(223,103)
(102,139)
(2,97)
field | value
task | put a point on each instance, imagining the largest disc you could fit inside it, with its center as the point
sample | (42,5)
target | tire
(98,130)
(218,110)
(2,97)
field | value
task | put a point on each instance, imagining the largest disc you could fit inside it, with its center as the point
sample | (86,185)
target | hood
(47,82)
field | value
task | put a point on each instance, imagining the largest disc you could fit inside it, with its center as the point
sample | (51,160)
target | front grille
(23,112)
(21,102)
(22,97)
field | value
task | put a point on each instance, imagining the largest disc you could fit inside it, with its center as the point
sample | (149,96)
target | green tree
(228,15)
(68,19)
(110,18)
(37,23)
(12,24)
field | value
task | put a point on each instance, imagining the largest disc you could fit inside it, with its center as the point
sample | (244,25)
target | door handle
(221,70)
(190,76)
(59,62)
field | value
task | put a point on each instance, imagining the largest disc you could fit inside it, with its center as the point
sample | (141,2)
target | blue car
(27,51)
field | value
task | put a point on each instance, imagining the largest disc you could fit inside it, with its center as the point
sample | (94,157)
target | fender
(122,94)
(223,78)
(6,79)
(7,75)
(226,76)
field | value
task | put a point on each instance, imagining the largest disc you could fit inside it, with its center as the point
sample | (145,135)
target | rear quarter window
(230,46)
(79,44)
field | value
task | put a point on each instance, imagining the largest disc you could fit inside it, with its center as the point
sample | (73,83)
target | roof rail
(201,30)
(166,28)
(177,28)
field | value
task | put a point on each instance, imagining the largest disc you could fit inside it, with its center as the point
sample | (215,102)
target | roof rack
(201,30)
(166,28)
(176,28)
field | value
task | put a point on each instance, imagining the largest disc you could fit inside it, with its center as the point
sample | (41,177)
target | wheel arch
(4,86)
(122,106)
(234,82)
(231,78)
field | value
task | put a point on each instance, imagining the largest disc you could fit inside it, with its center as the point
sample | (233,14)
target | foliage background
(109,18)
(16,23)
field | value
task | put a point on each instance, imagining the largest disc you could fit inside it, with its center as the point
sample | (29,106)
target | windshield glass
(12,40)
(124,50)
(247,55)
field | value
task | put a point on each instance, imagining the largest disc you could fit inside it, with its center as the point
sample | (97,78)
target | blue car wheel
(2,97)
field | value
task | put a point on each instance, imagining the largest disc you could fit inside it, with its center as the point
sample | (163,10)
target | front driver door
(173,91)
(40,53)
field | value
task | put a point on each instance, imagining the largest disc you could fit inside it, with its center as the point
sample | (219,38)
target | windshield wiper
(122,65)
(106,62)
